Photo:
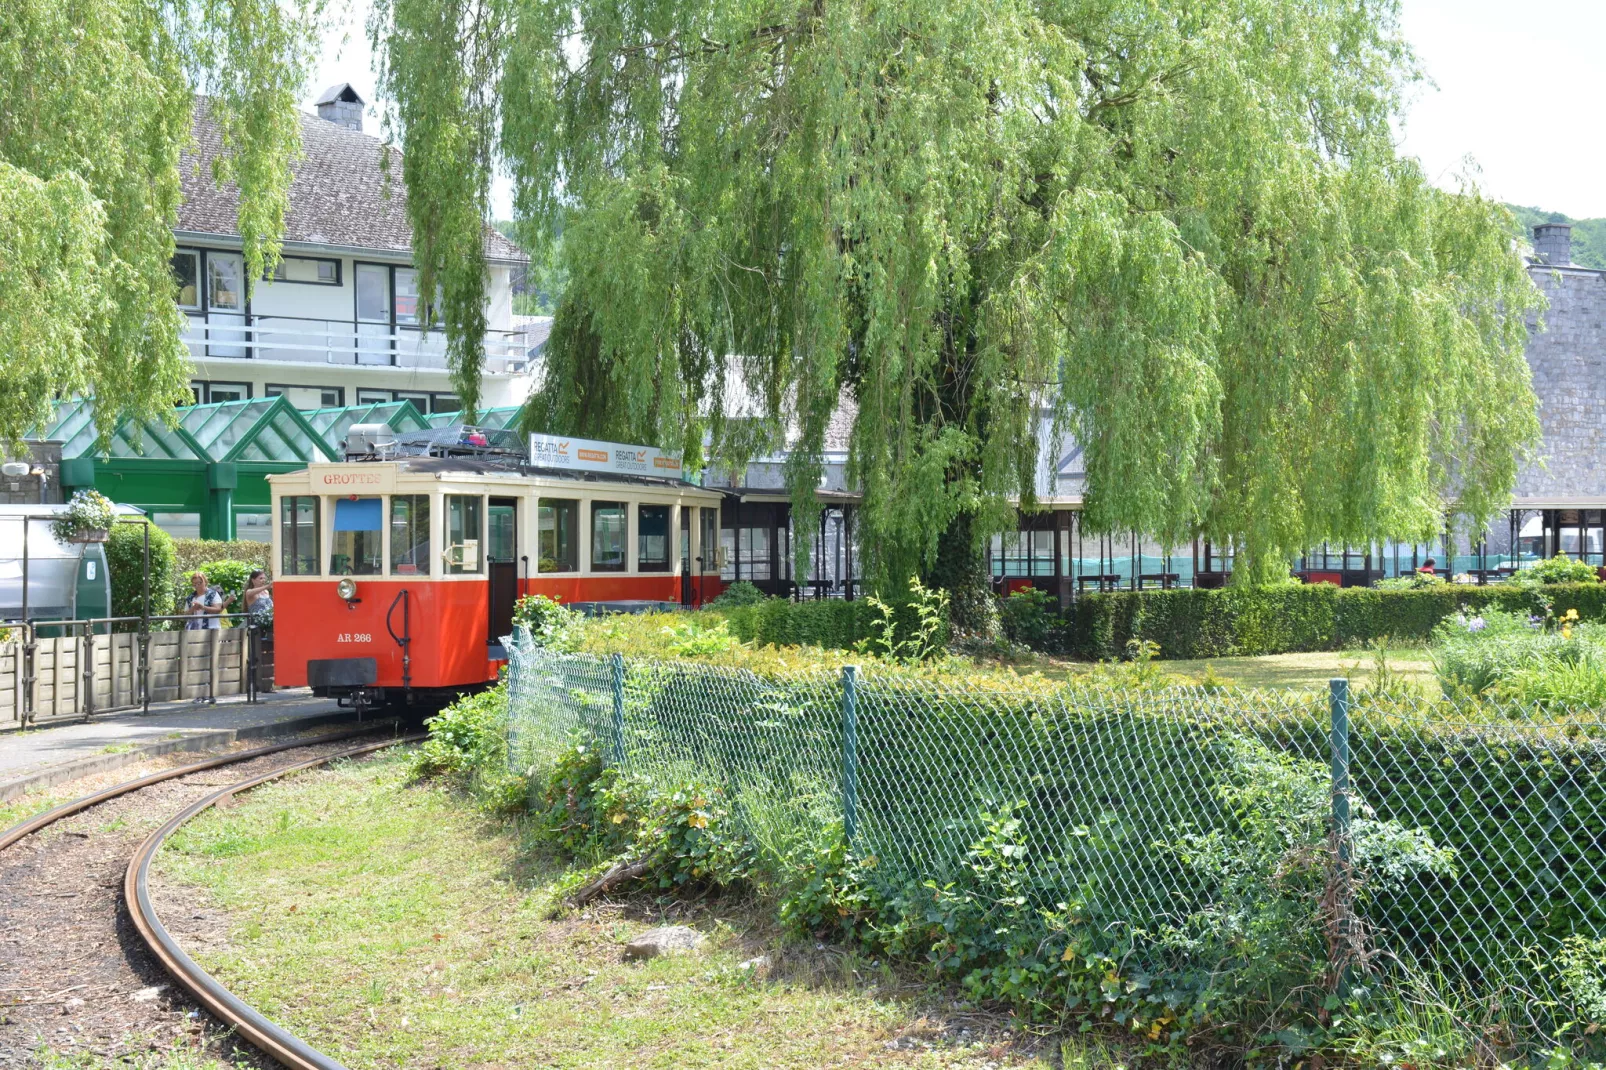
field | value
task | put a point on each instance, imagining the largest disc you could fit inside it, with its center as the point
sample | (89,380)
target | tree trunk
(961,570)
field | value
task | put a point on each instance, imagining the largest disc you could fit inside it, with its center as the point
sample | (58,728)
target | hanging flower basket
(89,516)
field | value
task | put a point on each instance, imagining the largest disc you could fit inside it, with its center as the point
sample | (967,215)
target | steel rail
(234,1012)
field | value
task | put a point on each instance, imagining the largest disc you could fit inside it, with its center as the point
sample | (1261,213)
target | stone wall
(43,489)
(1568,358)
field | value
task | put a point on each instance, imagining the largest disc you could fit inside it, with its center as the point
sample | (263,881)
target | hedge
(125,563)
(1293,618)
(1195,623)
(193,553)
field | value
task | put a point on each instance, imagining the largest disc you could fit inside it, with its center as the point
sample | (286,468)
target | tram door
(502,565)
(685,555)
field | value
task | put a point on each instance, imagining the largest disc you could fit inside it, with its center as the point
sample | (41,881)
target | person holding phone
(204,605)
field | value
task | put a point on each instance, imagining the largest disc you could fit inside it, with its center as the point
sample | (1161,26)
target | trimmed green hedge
(1295,618)
(1192,623)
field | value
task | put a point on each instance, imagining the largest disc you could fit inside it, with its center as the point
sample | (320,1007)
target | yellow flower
(1566,631)
(1572,614)
(698,821)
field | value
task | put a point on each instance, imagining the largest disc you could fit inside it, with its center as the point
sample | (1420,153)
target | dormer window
(187,274)
(315,271)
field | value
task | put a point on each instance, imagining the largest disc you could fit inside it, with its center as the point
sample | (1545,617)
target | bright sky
(1519,89)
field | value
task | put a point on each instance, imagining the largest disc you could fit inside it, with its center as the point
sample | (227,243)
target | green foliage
(1029,617)
(740,593)
(88,510)
(1164,229)
(1411,582)
(125,559)
(1516,658)
(1289,618)
(89,184)
(193,553)
(1588,237)
(920,635)
(548,621)
(468,744)
(1561,569)
(228,576)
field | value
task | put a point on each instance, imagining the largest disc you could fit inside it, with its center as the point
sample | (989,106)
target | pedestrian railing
(61,670)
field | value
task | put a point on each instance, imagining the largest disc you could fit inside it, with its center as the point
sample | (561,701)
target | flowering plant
(88,511)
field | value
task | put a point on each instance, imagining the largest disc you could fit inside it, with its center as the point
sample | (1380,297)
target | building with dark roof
(340,322)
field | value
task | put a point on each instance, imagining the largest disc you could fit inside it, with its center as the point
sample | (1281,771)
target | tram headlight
(346,588)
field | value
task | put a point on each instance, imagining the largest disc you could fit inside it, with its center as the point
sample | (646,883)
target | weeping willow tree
(96,99)
(1180,229)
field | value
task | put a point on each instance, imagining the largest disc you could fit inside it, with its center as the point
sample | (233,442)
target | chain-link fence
(1477,835)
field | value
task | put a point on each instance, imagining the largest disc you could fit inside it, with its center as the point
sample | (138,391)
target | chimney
(1553,244)
(340,104)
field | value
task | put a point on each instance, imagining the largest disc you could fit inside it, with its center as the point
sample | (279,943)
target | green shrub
(1516,658)
(1296,618)
(1028,617)
(125,559)
(1561,569)
(549,622)
(740,593)
(227,576)
(468,744)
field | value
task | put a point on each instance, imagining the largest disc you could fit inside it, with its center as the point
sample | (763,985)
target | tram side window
(409,535)
(298,536)
(608,536)
(559,536)
(463,526)
(359,528)
(652,538)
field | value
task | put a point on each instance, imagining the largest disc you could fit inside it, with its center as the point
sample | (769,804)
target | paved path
(50,754)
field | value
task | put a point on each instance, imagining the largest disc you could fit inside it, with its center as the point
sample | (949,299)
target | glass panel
(754,546)
(179,525)
(306,269)
(225,275)
(373,293)
(187,273)
(445,403)
(331,397)
(298,536)
(407,310)
(501,542)
(559,548)
(652,538)
(463,533)
(373,397)
(708,542)
(355,547)
(409,535)
(216,392)
(608,536)
(253,527)
(727,542)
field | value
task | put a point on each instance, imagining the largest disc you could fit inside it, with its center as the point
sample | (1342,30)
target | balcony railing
(340,342)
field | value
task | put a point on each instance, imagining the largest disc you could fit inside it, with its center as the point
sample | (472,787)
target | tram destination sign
(589,455)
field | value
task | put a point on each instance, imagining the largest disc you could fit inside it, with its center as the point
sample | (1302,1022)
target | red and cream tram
(397,577)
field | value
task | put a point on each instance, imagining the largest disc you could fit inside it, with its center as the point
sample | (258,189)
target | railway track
(52,939)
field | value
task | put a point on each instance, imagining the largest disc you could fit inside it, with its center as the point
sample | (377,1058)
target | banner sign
(586,455)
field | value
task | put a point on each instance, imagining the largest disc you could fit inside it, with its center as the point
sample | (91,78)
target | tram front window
(359,528)
(409,535)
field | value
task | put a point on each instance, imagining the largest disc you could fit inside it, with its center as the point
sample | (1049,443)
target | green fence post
(1339,703)
(850,751)
(618,663)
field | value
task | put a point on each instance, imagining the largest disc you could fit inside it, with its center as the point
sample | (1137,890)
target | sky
(1518,90)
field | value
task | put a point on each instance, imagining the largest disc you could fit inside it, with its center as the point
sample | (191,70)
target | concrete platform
(36,758)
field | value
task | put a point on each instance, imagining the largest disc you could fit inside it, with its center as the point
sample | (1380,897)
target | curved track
(232,1012)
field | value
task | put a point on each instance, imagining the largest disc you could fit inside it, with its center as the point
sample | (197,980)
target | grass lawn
(393,926)
(1295,671)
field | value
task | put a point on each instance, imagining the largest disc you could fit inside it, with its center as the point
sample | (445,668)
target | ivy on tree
(96,98)
(1179,231)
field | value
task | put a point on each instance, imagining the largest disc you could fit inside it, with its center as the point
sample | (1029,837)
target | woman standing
(258,603)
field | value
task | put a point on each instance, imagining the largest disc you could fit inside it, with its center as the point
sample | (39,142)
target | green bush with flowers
(89,513)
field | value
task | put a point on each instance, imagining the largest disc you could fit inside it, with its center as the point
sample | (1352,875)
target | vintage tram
(398,569)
